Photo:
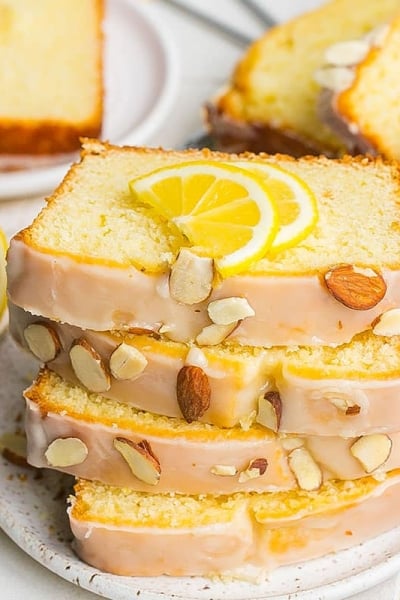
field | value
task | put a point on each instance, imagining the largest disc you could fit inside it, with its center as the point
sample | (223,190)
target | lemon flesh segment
(3,279)
(227,213)
(294,200)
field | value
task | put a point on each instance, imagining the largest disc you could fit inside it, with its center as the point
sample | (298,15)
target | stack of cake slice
(240,419)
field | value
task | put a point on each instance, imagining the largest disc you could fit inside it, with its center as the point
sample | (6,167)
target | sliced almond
(376,37)
(228,311)
(193,392)
(214,334)
(143,331)
(372,451)
(291,443)
(346,54)
(256,468)
(140,458)
(126,362)
(89,367)
(345,405)
(334,78)
(66,452)
(388,323)
(270,410)
(191,277)
(224,470)
(43,341)
(356,287)
(306,471)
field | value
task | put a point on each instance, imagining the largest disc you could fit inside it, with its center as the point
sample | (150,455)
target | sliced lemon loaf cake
(81,433)
(52,90)
(236,535)
(111,250)
(348,390)
(354,104)
(270,103)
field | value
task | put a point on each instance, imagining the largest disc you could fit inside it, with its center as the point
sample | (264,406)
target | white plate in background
(141,82)
(32,513)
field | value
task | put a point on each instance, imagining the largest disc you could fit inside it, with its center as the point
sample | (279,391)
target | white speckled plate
(32,513)
(141,81)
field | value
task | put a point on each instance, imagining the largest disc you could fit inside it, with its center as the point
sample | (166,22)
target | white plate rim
(34,182)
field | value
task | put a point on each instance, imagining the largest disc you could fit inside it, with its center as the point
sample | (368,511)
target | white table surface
(206,60)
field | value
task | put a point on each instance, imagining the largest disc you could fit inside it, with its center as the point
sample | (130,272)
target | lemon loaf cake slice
(127,533)
(84,434)
(354,101)
(50,74)
(99,256)
(270,104)
(348,390)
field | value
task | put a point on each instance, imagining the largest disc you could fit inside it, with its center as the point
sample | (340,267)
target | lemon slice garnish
(295,202)
(3,279)
(225,212)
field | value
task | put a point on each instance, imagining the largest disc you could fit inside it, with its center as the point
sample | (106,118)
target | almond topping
(42,341)
(126,362)
(388,323)
(346,54)
(193,392)
(291,443)
(270,410)
(224,470)
(372,451)
(334,78)
(256,468)
(66,452)
(88,366)
(229,310)
(143,331)
(213,334)
(345,405)
(140,458)
(306,471)
(191,277)
(355,287)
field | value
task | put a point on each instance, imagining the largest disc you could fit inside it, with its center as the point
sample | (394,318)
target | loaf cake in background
(168,295)
(359,99)
(50,75)
(270,104)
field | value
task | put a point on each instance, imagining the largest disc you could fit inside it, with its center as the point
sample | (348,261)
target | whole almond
(193,392)
(358,288)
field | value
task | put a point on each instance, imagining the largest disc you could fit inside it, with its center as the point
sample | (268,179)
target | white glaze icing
(289,310)
(234,396)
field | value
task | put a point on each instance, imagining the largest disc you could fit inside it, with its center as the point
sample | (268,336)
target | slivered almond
(372,451)
(227,311)
(270,410)
(214,334)
(66,452)
(43,341)
(126,362)
(140,458)
(224,470)
(89,367)
(193,392)
(388,323)
(256,468)
(306,471)
(191,277)
(358,288)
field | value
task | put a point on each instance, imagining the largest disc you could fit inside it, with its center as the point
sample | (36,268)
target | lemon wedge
(294,200)
(225,212)
(3,280)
